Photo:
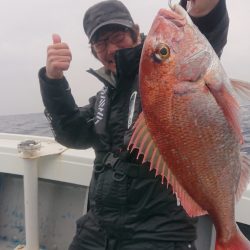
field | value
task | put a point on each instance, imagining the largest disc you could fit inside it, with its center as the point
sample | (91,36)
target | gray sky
(26,28)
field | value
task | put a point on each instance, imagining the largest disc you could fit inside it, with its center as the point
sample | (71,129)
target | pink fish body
(189,129)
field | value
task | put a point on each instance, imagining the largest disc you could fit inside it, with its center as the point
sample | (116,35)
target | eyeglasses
(115,38)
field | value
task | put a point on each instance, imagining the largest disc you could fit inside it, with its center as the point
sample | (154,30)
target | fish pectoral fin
(142,141)
(244,175)
(229,106)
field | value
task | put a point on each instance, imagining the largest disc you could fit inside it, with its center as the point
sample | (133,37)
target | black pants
(90,236)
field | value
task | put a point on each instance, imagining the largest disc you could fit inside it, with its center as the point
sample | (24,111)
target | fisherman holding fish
(129,208)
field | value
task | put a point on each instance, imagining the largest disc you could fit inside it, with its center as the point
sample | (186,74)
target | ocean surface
(37,124)
(28,124)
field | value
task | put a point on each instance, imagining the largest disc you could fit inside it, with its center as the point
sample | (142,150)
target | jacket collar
(127,66)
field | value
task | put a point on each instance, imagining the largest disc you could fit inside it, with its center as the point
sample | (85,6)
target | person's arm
(211,17)
(72,126)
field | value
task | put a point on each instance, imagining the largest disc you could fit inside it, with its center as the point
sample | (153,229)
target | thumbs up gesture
(58,58)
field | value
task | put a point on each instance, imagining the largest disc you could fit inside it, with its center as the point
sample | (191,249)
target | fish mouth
(178,15)
(172,17)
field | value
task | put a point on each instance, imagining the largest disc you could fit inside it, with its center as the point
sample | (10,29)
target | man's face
(108,42)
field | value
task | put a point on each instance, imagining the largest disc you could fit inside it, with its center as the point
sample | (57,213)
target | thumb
(56,38)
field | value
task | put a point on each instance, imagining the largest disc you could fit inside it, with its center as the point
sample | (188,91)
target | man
(129,208)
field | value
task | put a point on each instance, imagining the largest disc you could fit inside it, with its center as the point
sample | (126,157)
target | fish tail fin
(242,88)
(237,242)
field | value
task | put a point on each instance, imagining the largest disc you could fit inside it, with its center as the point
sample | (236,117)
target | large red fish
(189,129)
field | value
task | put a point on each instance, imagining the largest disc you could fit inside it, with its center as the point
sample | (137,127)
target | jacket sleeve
(72,126)
(214,25)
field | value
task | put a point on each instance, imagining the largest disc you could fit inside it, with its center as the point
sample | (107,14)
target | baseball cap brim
(122,22)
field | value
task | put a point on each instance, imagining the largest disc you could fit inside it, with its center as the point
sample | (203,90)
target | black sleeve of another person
(214,25)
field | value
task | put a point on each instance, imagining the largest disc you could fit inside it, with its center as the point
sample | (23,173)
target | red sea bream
(189,128)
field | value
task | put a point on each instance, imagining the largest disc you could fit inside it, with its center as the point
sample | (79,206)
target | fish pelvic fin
(244,176)
(242,89)
(237,242)
(142,141)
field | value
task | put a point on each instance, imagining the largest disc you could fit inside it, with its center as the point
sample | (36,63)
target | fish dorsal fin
(142,141)
(244,176)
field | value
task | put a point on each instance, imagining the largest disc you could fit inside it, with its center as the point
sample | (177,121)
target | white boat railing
(49,161)
(54,162)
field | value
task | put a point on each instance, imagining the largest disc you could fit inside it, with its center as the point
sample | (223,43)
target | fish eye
(162,52)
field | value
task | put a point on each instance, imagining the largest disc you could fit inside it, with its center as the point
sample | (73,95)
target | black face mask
(127,62)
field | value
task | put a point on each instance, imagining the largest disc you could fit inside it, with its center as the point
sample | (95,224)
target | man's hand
(58,58)
(197,8)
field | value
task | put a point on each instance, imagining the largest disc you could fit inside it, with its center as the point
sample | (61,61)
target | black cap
(104,13)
